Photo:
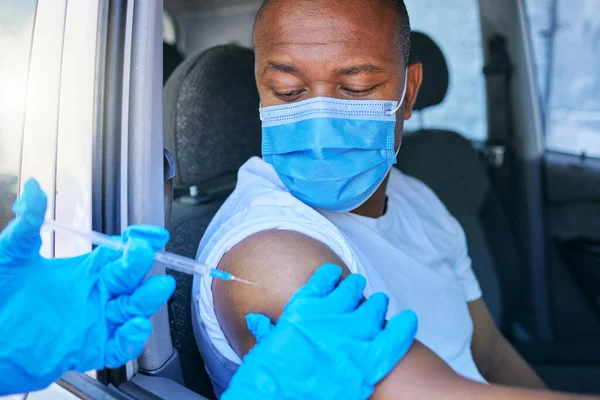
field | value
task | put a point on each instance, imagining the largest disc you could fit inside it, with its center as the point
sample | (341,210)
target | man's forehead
(327,22)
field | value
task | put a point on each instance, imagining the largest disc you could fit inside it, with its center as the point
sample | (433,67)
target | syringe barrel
(180,263)
(97,238)
(171,260)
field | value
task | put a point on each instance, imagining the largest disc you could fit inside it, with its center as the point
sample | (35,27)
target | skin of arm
(282,261)
(495,357)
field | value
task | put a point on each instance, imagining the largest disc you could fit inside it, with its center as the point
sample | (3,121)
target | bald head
(401,25)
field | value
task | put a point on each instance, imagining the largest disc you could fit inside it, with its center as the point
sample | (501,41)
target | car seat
(211,127)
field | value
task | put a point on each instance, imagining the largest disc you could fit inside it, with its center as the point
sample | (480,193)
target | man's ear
(413,84)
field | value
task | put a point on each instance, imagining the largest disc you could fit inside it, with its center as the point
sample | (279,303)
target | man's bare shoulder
(281,261)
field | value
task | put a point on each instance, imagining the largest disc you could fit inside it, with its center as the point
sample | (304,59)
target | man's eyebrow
(275,66)
(359,69)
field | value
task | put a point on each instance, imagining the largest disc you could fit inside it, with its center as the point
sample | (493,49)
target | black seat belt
(498,73)
(500,147)
(501,153)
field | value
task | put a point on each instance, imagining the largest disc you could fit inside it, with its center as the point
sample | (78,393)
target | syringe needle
(248,282)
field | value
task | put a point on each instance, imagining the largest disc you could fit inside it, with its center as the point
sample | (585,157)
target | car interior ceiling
(212,127)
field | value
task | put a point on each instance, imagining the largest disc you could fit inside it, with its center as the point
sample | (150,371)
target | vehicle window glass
(16,32)
(455,26)
(565,42)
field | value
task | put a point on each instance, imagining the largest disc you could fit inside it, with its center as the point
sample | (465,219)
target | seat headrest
(435,70)
(211,116)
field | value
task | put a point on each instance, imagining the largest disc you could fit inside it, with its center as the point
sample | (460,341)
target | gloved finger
(156,236)
(320,284)
(371,315)
(390,346)
(125,275)
(346,296)
(259,325)
(128,342)
(143,302)
(102,256)
(21,239)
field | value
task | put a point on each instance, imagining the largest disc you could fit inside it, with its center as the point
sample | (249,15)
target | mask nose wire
(403,94)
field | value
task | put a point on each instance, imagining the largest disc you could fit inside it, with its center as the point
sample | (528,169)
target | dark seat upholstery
(211,128)
(171,59)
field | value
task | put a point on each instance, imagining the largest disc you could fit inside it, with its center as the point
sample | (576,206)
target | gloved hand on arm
(81,313)
(324,345)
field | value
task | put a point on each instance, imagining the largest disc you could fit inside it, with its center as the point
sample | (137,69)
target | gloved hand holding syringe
(171,260)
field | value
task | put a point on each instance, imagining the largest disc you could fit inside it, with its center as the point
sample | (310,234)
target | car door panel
(573,196)
(573,217)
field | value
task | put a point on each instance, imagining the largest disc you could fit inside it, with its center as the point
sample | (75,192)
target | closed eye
(358,92)
(288,96)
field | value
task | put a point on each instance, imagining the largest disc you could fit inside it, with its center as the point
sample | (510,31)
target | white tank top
(416,253)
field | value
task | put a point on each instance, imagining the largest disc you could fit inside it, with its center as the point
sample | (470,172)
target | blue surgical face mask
(329,153)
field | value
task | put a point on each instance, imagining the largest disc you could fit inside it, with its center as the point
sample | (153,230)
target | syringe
(173,261)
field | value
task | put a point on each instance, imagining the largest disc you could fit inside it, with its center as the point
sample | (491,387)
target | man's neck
(374,207)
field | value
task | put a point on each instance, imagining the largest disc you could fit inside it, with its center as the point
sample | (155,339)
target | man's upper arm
(281,261)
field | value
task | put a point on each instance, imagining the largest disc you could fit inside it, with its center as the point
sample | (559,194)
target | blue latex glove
(323,346)
(81,313)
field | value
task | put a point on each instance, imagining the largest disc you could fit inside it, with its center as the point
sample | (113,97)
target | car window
(456,28)
(565,41)
(16,32)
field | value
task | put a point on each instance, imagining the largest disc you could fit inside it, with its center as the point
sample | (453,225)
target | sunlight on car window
(565,36)
(455,26)
(16,32)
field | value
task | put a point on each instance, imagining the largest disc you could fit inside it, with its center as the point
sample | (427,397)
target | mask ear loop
(403,94)
(400,103)
(398,151)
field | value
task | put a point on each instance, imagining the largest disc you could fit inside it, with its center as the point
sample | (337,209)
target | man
(87,312)
(335,89)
